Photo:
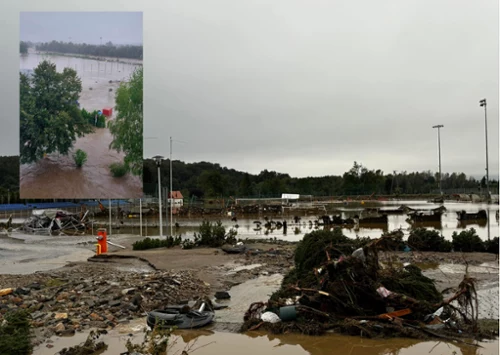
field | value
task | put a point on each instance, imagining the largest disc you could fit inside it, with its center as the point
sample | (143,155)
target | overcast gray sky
(308,87)
(82,27)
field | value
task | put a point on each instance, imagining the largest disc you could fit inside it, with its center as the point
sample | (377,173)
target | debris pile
(50,222)
(338,286)
(66,301)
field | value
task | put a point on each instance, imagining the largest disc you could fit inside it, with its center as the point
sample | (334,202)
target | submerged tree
(23,47)
(127,127)
(50,120)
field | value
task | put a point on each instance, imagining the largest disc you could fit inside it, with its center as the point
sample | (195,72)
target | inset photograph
(81,105)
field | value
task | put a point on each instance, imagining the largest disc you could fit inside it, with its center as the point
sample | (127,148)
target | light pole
(439,126)
(158,159)
(482,103)
(171,196)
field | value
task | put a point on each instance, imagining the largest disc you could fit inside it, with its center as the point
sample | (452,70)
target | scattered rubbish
(383,292)
(360,254)
(7,226)
(234,249)
(288,313)
(270,317)
(433,215)
(49,222)
(116,245)
(6,291)
(336,289)
(464,216)
(222,295)
(182,318)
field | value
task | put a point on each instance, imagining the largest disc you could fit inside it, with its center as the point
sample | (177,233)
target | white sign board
(290,196)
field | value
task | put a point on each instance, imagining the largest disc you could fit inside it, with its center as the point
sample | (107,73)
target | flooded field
(23,253)
(247,228)
(56,176)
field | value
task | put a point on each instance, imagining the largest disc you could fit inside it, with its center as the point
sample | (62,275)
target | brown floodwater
(56,176)
(246,227)
(206,342)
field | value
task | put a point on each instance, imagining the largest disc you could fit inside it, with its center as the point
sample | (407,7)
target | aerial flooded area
(56,176)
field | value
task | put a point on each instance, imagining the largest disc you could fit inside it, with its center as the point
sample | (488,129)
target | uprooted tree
(50,120)
(338,285)
(127,128)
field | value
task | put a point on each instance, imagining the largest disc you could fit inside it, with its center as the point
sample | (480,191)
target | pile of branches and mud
(338,286)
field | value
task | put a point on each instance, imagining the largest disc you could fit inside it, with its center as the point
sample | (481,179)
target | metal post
(439,152)
(482,103)
(488,221)
(140,215)
(159,201)
(109,216)
(166,208)
(171,196)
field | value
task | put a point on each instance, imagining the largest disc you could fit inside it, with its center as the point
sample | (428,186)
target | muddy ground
(102,292)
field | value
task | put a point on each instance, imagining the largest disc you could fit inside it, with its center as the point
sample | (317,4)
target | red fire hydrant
(102,239)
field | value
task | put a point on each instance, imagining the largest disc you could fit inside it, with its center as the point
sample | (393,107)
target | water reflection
(255,342)
(249,228)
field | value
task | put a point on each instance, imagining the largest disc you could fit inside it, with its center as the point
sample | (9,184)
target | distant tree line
(107,50)
(207,180)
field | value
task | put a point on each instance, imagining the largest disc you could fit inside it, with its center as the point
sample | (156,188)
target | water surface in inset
(57,176)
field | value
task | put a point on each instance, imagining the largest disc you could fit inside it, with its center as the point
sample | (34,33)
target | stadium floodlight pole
(439,126)
(171,193)
(158,159)
(482,103)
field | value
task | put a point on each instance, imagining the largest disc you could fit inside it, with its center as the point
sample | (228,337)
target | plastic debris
(360,254)
(6,291)
(383,292)
(270,317)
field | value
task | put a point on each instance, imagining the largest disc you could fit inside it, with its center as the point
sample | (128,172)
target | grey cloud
(307,87)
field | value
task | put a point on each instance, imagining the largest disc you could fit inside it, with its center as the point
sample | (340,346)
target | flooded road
(57,176)
(26,253)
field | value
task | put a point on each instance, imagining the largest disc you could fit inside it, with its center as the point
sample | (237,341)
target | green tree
(50,120)
(127,127)
(23,47)
(212,182)
(245,186)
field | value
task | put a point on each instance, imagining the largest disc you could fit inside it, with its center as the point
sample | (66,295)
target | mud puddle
(255,290)
(486,275)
